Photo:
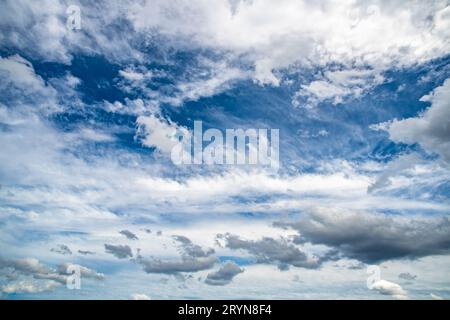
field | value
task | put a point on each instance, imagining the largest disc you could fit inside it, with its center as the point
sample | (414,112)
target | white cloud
(158,132)
(27,89)
(136,107)
(38,23)
(140,296)
(338,85)
(431,129)
(95,135)
(21,72)
(390,288)
(263,34)
(28,287)
(276,34)
(133,75)
(186,264)
(39,29)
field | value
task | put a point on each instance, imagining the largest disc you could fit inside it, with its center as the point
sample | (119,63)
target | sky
(93,94)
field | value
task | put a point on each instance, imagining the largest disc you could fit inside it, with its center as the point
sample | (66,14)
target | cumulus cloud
(119,251)
(24,88)
(19,72)
(190,249)
(269,250)
(393,168)
(274,35)
(390,288)
(135,75)
(186,264)
(193,259)
(40,30)
(224,275)
(130,235)
(373,237)
(271,34)
(431,129)
(158,133)
(264,35)
(94,135)
(36,21)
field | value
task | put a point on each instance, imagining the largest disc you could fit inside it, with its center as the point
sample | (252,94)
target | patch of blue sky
(241,261)
(349,136)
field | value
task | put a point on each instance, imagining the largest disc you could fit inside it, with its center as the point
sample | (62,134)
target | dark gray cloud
(61,249)
(130,235)
(190,249)
(186,264)
(85,252)
(224,275)
(193,258)
(372,237)
(269,250)
(119,251)
(407,276)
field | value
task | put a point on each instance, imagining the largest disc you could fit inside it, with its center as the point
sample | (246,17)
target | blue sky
(360,93)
